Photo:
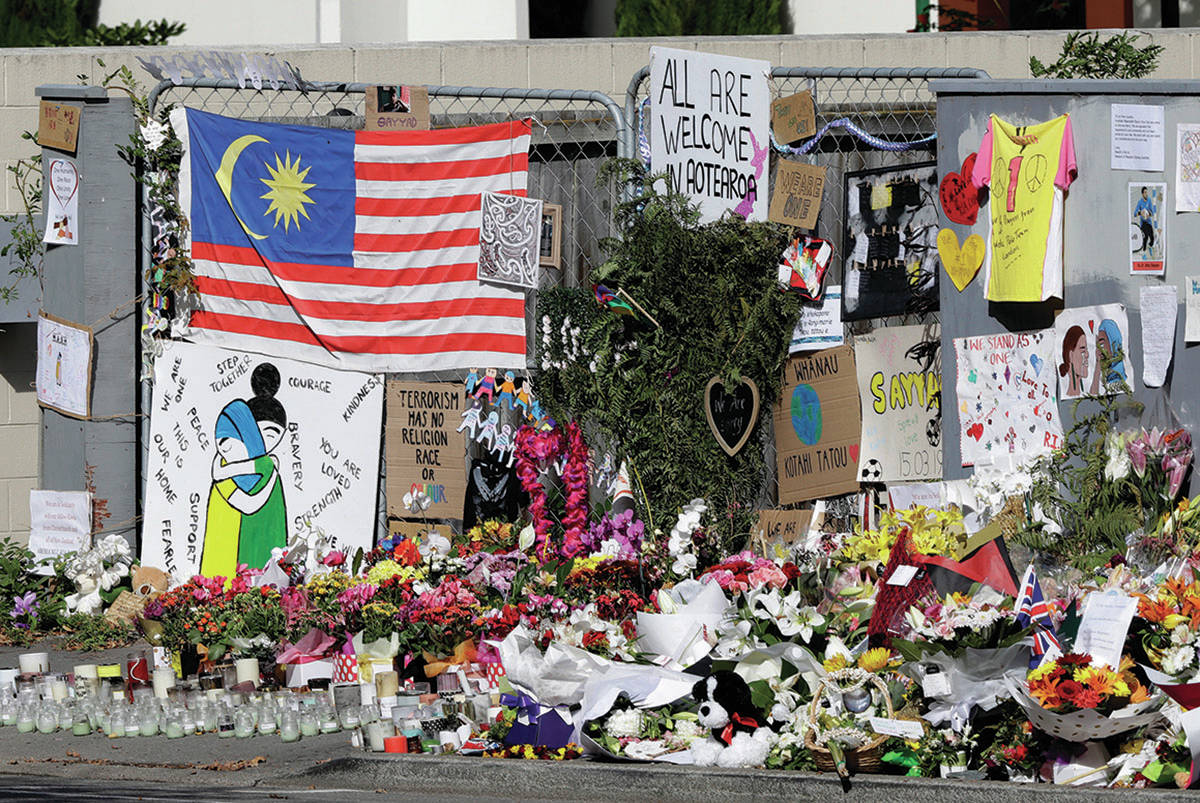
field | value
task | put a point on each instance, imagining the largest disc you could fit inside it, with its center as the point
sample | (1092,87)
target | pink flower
(334,558)
(770,575)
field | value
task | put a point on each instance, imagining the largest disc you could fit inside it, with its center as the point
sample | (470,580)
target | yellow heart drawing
(961,264)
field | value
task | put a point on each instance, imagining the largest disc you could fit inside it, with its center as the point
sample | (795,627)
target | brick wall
(19,426)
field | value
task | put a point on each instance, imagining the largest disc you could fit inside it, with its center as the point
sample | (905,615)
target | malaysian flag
(350,249)
(1032,607)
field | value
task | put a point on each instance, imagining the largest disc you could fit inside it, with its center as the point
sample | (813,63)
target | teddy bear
(86,598)
(149,580)
(725,707)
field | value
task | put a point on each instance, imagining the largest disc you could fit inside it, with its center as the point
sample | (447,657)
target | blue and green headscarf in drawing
(236,421)
(1116,371)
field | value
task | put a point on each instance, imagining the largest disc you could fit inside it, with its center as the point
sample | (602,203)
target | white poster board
(247,450)
(62,203)
(59,522)
(709,121)
(901,412)
(64,366)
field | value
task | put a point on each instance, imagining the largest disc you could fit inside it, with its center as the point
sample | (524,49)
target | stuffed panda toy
(725,708)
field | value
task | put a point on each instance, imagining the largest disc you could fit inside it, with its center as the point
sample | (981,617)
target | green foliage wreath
(639,388)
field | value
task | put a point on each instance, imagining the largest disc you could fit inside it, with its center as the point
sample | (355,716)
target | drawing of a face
(232,449)
(272,434)
(1079,358)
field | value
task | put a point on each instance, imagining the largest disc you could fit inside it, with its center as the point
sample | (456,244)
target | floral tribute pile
(912,647)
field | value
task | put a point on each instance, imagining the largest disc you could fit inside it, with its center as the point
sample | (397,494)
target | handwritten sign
(64,366)
(708,117)
(126,608)
(416,529)
(901,406)
(731,415)
(397,108)
(1007,395)
(58,125)
(59,522)
(817,426)
(793,117)
(796,199)
(780,528)
(424,447)
(62,203)
(1191,298)
(247,452)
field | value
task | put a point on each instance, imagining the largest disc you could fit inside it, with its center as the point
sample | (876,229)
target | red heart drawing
(960,198)
(975,431)
(854,453)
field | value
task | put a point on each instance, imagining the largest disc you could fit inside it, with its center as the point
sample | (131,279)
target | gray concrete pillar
(84,283)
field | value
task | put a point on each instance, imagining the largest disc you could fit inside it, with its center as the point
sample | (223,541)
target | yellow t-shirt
(1028,169)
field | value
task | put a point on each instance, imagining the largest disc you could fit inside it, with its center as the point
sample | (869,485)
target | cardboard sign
(397,108)
(58,125)
(817,426)
(780,527)
(796,199)
(64,366)
(793,117)
(415,529)
(127,608)
(709,118)
(59,522)
(247,452)
(901,406)
(424,448)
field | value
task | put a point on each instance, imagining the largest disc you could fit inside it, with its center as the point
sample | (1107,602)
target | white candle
(33,663)
(164,681)
(87,671)
(58,690)
(247,670)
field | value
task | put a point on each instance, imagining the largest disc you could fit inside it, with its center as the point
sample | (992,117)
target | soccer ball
(933,432)
(872,471)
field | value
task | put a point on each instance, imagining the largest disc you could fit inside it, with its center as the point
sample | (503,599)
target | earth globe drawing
(806,414)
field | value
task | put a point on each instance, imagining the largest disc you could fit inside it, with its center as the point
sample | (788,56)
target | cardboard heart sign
(960,198)
(731,416)
(961,264)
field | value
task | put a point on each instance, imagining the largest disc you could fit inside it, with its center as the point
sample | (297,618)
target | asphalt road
(53,789)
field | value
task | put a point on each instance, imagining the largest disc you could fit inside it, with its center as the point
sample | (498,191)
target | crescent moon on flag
(224,175)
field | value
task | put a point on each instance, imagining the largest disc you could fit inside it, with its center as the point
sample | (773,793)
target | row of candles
(379,716)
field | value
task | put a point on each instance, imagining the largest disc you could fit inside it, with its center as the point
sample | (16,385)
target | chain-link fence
(574,133)
(873,125)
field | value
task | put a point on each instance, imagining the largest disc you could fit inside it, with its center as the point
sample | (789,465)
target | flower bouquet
(1074,700)
(643,734)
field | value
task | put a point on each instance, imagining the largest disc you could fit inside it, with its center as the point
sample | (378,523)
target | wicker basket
(868,757)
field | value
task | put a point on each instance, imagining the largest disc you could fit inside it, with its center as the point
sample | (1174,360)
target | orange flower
(1154,611)
(1099,680)
(1139,693)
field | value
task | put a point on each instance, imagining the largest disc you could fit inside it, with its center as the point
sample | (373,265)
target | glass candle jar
(289,727)
(47,719)
(309,726)
(243,724)
(225,726)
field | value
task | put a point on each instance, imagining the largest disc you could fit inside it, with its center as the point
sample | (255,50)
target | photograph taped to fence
(890,242)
